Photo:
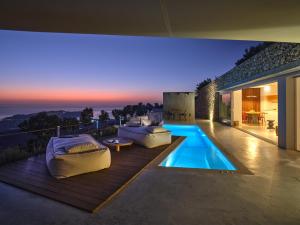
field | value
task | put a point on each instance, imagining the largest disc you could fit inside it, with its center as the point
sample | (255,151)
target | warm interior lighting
(267,88)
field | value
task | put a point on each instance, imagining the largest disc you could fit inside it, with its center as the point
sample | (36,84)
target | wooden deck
(89,191)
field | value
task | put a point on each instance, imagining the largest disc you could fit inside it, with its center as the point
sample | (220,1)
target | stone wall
(275,58)
(201,104)
(206,103)
(178,103)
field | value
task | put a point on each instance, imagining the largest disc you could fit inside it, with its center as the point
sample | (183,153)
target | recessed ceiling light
(267,88)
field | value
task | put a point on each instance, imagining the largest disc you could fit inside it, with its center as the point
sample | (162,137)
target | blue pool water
(196,151)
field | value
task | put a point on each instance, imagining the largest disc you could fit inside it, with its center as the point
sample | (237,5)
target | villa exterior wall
(206,101)
(236,106)
(280,62)
(178,103)
(201,103)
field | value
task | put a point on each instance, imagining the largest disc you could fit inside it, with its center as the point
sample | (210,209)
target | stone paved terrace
(172,196)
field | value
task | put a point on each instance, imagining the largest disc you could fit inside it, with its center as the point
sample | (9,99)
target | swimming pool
(196,151)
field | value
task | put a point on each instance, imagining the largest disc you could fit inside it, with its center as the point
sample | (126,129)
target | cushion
(156,129)
(139,120)
(146,122)
(134,121)
(143,117)
(77,144)
(82,147)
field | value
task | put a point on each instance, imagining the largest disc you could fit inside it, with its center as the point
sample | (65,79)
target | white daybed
(150,137)
(68,157)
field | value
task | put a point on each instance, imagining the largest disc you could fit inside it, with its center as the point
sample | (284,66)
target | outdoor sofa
(147,136)
(66,157)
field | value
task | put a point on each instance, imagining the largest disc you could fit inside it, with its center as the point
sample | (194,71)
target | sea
(7,109)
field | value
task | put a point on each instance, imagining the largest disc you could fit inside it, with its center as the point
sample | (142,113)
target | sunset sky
(51,67)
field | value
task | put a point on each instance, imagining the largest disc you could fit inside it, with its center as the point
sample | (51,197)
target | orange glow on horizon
(68,95)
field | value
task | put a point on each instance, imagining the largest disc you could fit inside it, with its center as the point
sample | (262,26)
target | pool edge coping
(241,168)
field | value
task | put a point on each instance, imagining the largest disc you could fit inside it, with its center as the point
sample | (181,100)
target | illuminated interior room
(258,110)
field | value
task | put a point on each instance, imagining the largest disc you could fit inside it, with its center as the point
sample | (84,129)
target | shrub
(251,51)
(109,131)
(202,84)
(15,153)
(86,115)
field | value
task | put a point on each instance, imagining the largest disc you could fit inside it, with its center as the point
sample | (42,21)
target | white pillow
(81,143)
(139,120)
(131,124)
(82,147)
(143,117)
(135,120)
(146,122)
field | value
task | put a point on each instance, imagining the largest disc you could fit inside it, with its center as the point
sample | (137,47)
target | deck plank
(87,191)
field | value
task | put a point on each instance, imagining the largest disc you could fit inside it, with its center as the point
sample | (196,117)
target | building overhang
(231,19)
(270,77)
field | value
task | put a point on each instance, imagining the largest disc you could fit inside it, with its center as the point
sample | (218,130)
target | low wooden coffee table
(117,142)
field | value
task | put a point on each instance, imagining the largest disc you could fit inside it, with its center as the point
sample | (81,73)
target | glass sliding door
(260,110)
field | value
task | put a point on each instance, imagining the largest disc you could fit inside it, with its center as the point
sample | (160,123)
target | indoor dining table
(252,117)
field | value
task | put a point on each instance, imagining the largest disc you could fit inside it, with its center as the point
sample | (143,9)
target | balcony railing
(23,144)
